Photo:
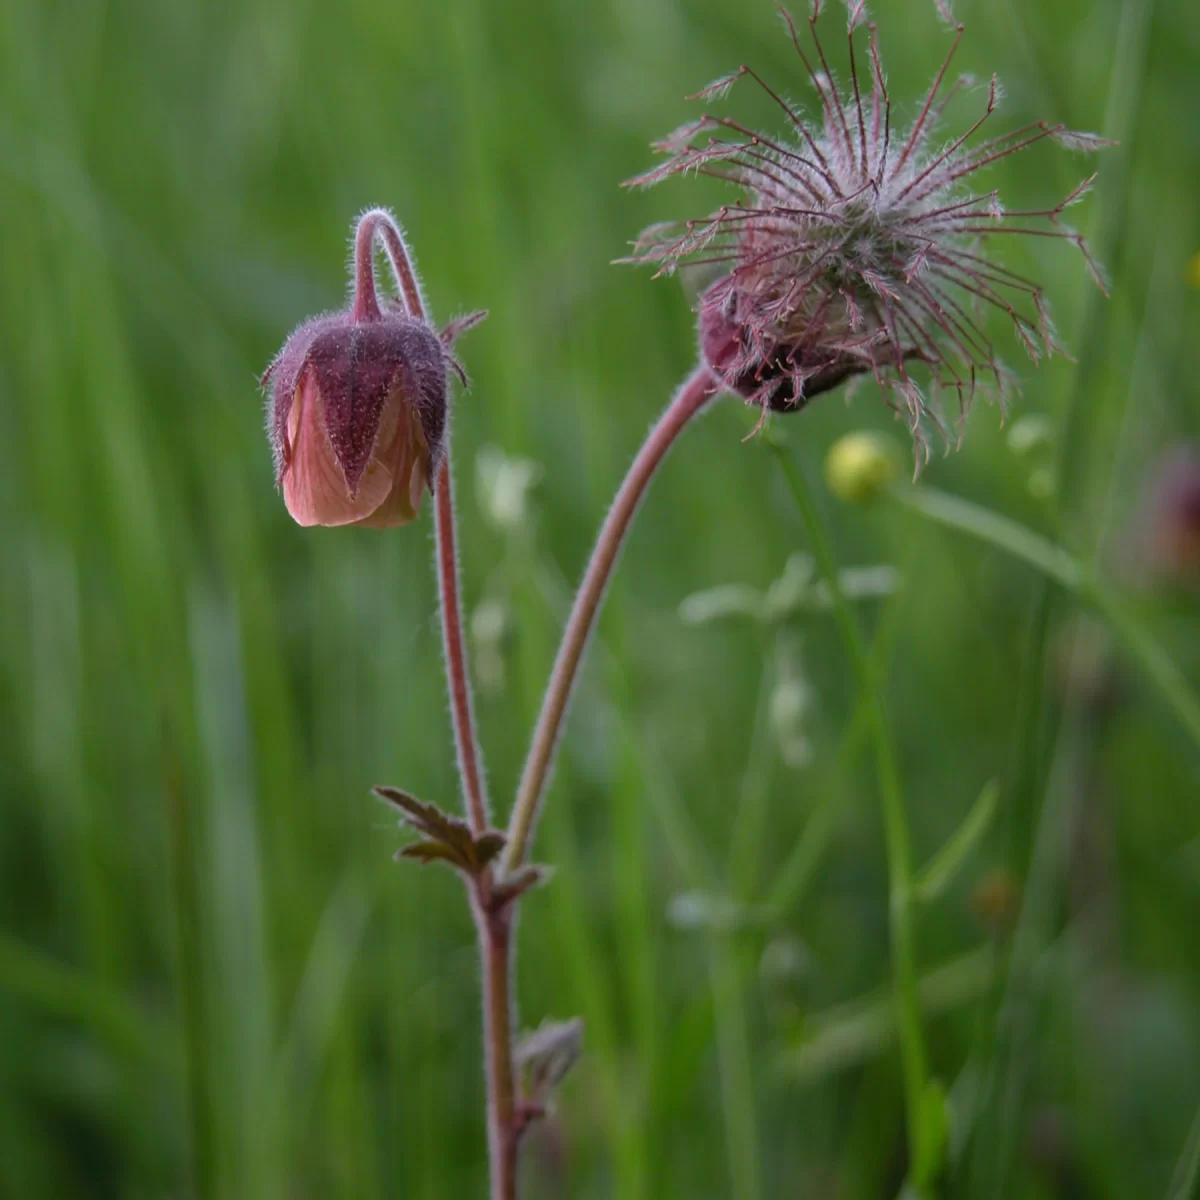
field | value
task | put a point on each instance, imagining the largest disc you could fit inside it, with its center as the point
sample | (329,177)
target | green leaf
(941,869)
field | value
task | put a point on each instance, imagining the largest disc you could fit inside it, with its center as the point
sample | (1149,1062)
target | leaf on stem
(547,1054)
(446,839)
(516,883)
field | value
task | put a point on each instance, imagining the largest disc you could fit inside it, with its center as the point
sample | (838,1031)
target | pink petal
(401,453)
(314,487)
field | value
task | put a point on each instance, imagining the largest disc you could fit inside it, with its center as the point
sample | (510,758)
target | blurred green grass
(213,980)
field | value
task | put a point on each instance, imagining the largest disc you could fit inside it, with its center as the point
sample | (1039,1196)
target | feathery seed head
(857,248)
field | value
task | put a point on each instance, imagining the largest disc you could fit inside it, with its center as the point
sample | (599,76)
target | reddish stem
(366,303)
(379,223)
(689,400)
(470,764)
(494,928)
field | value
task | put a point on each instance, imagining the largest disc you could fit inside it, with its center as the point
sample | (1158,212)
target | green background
(213,979)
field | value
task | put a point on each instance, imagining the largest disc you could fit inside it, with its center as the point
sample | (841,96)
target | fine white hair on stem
(385,230)
(691,399)
(471,770)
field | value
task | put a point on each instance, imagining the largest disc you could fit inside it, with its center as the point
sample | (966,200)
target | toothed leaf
(427,852)
(448,839)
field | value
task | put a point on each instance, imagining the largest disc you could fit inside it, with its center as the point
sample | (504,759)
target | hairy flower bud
(358,410)
(357,401)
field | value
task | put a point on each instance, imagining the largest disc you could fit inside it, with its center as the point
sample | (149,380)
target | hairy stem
(378,223)
(895,821)
(366,302)
(495,943)
(699,388)
(470,758)
(493,925)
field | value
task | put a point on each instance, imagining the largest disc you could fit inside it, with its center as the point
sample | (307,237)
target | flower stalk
(470,758)
(691,398)
(378,224)
(493,922)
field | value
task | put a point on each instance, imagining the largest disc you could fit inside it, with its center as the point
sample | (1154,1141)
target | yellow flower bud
(859,466)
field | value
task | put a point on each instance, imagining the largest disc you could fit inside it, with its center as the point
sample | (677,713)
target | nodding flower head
(357,398)
(857,248)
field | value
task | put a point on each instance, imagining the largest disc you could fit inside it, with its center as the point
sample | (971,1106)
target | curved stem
(366,303)
(699,388)
(493,926)
(895,825)
(389,232)
(379,223)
